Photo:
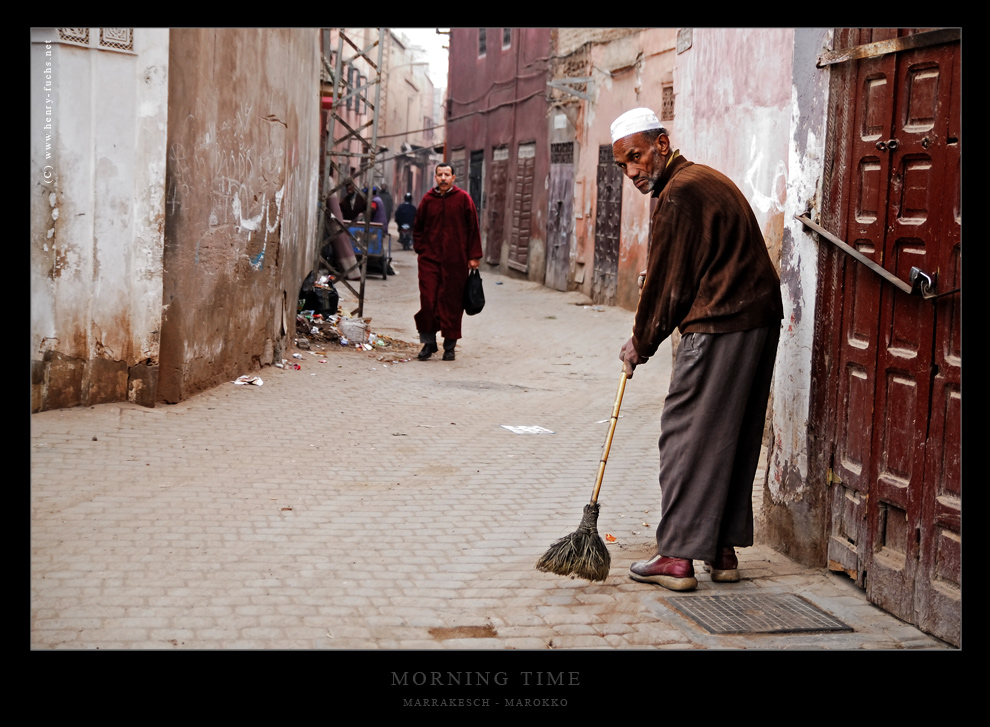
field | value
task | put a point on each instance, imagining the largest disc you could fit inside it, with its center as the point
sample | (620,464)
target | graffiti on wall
(240,163)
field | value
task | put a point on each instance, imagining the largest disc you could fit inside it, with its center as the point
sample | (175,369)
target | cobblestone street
(369,503)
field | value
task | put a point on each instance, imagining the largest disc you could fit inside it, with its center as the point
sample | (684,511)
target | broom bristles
(582,552)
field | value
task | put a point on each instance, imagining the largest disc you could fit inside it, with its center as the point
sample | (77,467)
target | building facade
(410,129)
(173,215)
(497,141)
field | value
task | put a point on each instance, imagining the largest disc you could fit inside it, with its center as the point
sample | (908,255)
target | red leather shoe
(677,574)
(725,567)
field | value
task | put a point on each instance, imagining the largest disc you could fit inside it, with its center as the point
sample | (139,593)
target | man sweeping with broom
(709,275)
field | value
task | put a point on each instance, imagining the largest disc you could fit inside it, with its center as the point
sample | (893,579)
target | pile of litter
(319,333)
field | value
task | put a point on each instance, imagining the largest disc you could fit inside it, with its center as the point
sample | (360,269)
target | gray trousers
(711,430)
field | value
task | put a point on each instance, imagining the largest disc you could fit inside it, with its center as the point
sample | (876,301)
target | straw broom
(583,552)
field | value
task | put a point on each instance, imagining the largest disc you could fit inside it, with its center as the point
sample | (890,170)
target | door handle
(922,283)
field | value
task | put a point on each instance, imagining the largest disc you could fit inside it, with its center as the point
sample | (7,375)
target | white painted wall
(799,269)
(98,133)
(733,92)
(752,104)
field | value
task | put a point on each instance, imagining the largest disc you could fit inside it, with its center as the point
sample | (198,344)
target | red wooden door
(896,506)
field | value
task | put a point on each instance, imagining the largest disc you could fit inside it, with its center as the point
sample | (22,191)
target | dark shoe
(677,574)
(428,350)
(448,348)
(725,567)
(448,355)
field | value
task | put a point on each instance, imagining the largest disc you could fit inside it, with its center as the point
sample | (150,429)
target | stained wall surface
(241,194)
(98,133)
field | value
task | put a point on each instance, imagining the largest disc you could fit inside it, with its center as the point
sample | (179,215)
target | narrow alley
(371,502)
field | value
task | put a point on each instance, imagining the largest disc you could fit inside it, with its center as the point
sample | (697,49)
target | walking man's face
(445,178)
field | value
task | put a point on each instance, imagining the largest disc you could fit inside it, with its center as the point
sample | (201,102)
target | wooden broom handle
(611,431)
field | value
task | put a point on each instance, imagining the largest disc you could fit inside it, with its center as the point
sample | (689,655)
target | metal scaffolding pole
(345,94)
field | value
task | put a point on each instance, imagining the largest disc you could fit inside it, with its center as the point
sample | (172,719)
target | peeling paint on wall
(771,201)
(795,512)
(799,261)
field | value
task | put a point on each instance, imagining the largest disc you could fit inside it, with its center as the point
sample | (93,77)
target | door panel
(608,217)
(475,179)
(939,599)
(897,504)
(496,206)
(907,327)
(560,215)
(522,208)
(860,295)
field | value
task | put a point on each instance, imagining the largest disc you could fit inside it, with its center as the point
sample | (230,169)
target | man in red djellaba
(447,242)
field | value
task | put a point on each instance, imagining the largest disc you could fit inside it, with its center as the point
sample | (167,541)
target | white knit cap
(633,122)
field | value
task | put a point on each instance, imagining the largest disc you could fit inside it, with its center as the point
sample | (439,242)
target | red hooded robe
(445,237)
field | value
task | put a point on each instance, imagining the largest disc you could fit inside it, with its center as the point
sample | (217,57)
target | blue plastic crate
(374,239)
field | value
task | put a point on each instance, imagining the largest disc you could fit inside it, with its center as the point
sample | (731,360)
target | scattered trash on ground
(246,379)
(527,429)
(355,329)
(315,332)
(318,293)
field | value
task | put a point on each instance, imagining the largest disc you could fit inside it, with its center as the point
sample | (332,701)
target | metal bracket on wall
(921,283)
(563,84)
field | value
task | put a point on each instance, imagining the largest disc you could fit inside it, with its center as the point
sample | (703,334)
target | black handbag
(474,294)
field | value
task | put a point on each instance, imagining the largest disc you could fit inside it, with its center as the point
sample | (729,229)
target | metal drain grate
(757,614)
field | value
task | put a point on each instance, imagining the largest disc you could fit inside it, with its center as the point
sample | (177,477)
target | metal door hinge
(831,478)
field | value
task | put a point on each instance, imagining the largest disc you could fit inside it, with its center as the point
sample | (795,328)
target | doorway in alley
(893,398)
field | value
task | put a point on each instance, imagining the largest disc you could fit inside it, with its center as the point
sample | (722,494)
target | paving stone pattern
(371,504)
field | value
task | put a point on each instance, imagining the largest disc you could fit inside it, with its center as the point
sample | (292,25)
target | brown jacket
(708,270)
